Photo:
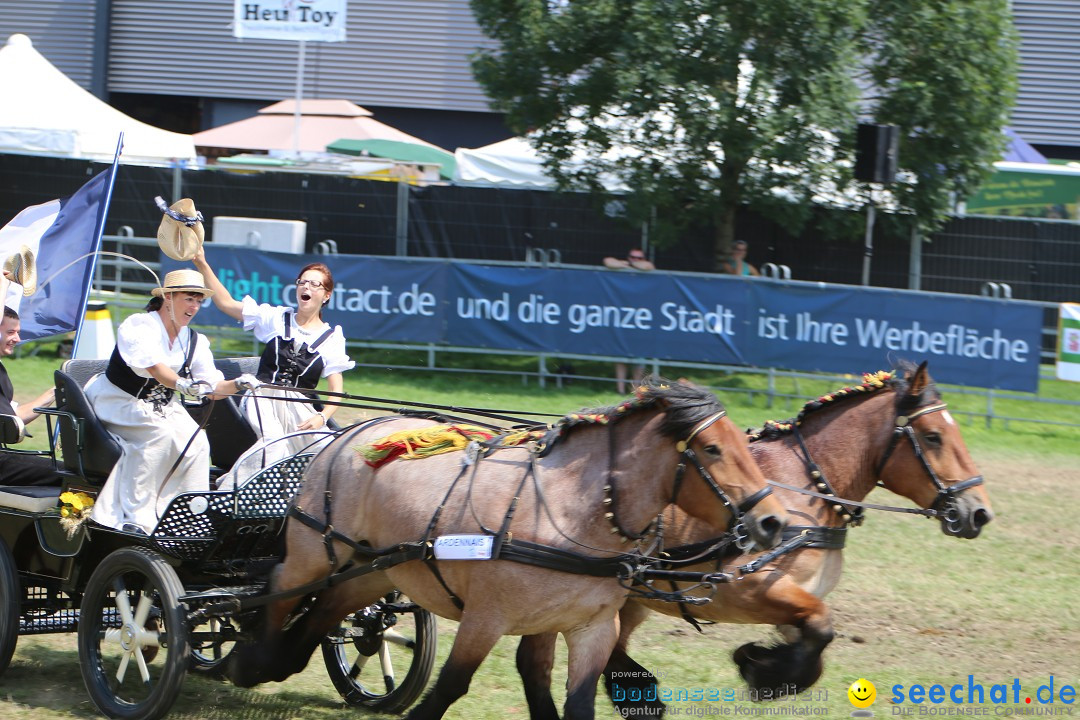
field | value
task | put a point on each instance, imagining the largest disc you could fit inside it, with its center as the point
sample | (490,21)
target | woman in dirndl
(164,452)
(300,349)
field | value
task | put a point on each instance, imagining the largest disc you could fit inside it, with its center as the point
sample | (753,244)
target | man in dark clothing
(18,469)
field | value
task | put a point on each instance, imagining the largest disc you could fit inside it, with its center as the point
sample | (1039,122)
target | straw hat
(183,281)
(181,233)
(23,269)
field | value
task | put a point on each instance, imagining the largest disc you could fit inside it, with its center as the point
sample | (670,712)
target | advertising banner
(1068,350)
(318,20)
(718,319)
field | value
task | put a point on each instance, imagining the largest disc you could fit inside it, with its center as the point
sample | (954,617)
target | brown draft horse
(609,474)
(893,430)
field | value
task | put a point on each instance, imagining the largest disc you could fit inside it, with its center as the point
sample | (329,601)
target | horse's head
(935,470)
(725,487)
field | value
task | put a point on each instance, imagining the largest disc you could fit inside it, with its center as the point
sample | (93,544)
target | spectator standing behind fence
(635,259)
(737,265)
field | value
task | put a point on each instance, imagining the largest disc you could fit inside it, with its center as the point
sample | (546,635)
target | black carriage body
(229,545)
(197,580)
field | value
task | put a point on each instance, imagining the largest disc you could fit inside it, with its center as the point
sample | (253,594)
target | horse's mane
(895,380)
(685,406)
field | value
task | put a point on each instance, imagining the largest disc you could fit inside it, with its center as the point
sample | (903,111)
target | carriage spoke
(144,671)
(358,666)
(142,610)
(393,636)
(121,669)
(122,603)
(387,666)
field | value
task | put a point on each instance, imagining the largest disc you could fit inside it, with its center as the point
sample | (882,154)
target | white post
(299,94)
(915,261)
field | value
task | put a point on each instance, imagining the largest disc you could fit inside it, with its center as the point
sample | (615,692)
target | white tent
(43,111)
(510,162)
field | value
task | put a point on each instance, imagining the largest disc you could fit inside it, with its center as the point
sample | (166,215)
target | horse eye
(932,438)
(714,451)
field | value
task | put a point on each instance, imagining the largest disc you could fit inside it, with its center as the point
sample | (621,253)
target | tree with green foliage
(695,108)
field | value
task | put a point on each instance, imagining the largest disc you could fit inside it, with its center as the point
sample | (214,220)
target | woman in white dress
(156,357)
(300,349)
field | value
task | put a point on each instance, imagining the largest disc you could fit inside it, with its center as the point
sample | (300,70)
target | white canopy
(510,162)
(44,111)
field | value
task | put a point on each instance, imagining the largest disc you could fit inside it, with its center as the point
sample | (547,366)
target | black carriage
(149,608)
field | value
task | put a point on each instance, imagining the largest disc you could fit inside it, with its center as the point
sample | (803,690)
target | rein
(503,415)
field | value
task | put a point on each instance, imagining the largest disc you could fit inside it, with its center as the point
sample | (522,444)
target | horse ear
(918,380)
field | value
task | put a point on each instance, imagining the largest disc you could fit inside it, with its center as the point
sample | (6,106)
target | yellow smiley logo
(862,693)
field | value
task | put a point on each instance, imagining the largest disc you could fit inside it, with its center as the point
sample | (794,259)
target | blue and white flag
(64,236)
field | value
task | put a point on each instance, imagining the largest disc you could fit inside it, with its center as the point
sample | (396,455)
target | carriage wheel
(372,645)
(210,646)
(133,639)
(10,606)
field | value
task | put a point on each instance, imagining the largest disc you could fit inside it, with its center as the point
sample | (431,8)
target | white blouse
(143,342)
(268,322)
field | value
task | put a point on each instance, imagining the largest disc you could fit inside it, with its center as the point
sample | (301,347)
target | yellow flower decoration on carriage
(75,507)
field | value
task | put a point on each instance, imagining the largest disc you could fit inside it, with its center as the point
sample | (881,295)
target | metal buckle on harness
(472,453)
(741,536)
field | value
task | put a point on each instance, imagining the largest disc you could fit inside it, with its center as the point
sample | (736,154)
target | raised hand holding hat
(181,232)
(22,269)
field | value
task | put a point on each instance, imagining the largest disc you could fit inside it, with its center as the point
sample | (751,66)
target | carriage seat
(90,451)
(29,498)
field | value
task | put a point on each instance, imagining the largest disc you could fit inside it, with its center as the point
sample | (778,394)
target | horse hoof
(771,672)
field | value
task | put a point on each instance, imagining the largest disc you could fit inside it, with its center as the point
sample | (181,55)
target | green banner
(1050,193)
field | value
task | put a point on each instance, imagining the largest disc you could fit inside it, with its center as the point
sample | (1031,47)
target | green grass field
(913,607)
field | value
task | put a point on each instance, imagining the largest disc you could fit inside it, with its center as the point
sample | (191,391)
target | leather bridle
(736,525)
(945,505)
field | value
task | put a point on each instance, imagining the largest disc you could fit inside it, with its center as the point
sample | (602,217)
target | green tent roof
(397,150)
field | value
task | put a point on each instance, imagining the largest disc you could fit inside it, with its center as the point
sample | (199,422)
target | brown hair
(328,283)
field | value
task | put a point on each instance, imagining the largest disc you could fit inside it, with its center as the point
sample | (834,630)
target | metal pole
(401,234)
(299,95)
(915,261)
(177,182)
(868,248)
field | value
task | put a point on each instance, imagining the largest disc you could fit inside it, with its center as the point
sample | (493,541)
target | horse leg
(535,658)
(631,687)
(330,606)
(588,649)
(475,637)
(795,665)
(252,663)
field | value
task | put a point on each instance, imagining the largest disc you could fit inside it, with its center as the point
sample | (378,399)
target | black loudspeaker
(876,150)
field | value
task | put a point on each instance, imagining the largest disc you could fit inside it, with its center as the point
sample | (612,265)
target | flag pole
(99,230)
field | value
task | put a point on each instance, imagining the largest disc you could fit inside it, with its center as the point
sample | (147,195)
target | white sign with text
(317,20)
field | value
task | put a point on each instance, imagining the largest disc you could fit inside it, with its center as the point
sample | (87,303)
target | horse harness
(632,569)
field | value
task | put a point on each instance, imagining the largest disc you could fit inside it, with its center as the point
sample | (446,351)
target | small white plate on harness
(463,547)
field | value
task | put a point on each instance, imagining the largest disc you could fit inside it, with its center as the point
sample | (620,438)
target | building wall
(412,57)
(1047,110)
